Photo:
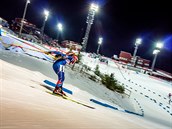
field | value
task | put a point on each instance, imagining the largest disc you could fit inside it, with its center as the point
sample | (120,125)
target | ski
(70,99)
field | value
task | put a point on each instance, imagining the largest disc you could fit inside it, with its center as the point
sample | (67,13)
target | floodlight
(60,26)
(94,7)
(138,41)
(156,51)
(159,45)
(100,40)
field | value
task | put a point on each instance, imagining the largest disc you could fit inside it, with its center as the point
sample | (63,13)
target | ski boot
(58,90)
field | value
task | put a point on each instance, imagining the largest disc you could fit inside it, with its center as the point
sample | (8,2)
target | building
(30,30)
(71,45)
(28,27)
(126,58)
(140,62)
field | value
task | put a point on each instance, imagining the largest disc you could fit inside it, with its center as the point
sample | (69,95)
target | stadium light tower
(90,18)
(46,13)
(99,44)
(24,14)
(137,43)
(157,49)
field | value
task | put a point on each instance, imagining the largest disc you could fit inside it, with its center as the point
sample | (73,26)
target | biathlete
(58,67)
(169,95)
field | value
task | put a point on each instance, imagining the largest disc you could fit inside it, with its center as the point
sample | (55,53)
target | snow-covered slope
(148,95)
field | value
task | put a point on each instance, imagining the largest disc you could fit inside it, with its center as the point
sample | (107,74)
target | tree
(112,84)
(97,72)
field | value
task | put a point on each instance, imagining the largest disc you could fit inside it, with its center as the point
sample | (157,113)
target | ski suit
(58,66)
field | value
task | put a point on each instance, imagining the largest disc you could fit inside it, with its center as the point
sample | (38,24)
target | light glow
(28,1)
(94,7)
(46,13)
(100,40)
(60,26)
(138,41)
(156,52)
(159,45)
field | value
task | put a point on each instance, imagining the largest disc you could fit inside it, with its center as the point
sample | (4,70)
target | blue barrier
(103,104)
(133,113)
(109,106)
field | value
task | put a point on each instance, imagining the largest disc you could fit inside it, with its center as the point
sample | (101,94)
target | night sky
(119,22)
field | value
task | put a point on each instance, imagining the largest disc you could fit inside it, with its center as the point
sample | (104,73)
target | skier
(0,30)
(58,67)
(169,95)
